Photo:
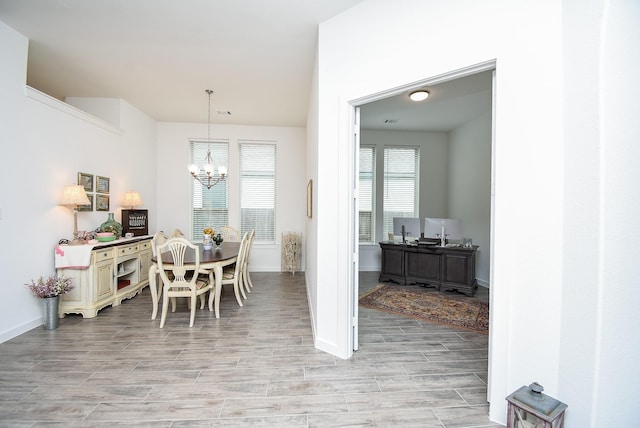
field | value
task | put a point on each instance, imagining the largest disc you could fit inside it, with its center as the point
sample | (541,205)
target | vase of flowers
(49,290)
(207,242)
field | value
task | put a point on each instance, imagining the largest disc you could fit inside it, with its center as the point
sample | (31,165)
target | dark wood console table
(446,268)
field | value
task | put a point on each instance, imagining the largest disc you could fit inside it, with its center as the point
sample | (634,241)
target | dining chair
(246,278)
(186,280)
(177,233)
(229,233)
(232,274)
(155,282)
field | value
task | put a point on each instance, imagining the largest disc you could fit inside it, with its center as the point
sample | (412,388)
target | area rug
(428,305)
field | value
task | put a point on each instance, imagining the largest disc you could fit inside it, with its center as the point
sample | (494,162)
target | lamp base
(77,242)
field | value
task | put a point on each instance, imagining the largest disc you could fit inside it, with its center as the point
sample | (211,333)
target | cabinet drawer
(144,245)
(101,255)
(129,249)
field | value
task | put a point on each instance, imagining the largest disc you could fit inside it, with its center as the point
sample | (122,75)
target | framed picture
(102,184)
(87,207)
(86,180)
(310,199)
(102,202)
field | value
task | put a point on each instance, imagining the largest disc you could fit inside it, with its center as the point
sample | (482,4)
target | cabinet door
(422,267)
(103,279)
(458,269)
(393,261)
(145,264)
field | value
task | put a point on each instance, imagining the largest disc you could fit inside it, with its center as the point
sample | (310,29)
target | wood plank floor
(255,366)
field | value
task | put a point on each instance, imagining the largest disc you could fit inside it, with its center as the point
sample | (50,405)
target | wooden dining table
(215,259)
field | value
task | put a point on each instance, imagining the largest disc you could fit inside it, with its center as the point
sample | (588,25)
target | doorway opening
(461,106)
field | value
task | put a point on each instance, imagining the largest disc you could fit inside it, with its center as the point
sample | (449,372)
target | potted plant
(49,290)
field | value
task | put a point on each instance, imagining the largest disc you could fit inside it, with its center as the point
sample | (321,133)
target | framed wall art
(87,207)
(102,202)
(86,180)
(102,184)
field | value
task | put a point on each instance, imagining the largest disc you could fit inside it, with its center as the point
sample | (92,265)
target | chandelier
(209,170)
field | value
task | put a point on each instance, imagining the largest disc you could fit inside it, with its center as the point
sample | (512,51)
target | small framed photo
(86,180)
(102,202)
(102,184)
(87,207)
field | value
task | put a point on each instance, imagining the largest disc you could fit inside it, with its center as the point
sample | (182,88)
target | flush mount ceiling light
(419,95)
(208,177)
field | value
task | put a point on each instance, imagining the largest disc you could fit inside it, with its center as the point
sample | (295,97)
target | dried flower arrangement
(52,286)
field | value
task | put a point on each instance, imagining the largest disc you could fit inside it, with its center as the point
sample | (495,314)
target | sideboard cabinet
(116,271)
(445,268)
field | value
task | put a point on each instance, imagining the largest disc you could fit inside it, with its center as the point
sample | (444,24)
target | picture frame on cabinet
(102,202)
(102,184)
(86,180)
(89,207)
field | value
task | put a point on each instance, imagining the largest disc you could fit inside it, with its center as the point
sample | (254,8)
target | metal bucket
(50,312)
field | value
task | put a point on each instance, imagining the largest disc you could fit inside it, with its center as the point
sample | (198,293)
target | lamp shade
(74,195)
(132,199)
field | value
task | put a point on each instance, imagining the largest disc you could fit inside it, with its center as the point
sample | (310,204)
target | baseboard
(482,283)
(17,331)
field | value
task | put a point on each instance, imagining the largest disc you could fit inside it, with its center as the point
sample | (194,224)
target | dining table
(214,259)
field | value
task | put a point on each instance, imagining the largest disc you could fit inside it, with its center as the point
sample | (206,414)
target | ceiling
(450,104)
(161,55)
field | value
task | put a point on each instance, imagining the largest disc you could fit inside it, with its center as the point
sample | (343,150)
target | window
(366,186)
(400,185)
(209,207)
(258,190)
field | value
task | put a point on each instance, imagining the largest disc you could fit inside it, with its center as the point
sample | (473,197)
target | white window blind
(366,188)
(258,190)
(209,207)
(400,185)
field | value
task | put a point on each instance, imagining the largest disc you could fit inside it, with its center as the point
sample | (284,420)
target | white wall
(174,182)
(599,353)
(469,190)
(45,143)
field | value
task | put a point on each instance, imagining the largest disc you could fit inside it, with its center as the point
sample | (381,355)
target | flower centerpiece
(207,241)
(50,289)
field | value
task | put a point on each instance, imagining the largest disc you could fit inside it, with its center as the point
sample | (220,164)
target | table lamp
(74,195)
(132,199)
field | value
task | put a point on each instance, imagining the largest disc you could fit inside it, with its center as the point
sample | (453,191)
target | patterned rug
(428,305)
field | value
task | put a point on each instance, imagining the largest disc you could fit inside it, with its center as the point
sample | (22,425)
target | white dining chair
(155,283)
(177,233)
(246,278)
(229,233)
(186,280)
(232,274)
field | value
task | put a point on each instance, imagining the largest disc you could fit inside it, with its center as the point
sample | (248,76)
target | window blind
(209,207)
(366,190)
(400,184)
(258,189)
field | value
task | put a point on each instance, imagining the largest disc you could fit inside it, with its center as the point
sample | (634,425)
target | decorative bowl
(105,236)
